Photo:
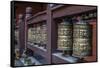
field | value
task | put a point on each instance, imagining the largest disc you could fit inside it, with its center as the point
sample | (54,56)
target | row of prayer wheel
(37,34)
(75,39)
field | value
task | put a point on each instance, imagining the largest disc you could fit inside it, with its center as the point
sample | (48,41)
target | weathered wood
(27,16)
(21,33)
(71,10)
(49,31)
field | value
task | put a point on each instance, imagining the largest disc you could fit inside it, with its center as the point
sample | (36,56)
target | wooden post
(93,57)
(27,16)
(21,33)
(49,31)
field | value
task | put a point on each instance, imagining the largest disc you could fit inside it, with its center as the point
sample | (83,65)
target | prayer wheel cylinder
(44,35)
(82,39)
(65,37)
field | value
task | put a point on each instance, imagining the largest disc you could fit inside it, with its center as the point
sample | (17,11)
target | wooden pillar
(93,57)
(28,14)
(21,33)
(49,40)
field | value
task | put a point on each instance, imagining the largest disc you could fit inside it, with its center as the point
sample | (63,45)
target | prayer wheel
(38,34)
(82,39)
(44,35)
(33,34)
(65,37)
(30,35)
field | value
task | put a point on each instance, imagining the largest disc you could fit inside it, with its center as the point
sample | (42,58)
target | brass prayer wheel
(65,37)
(82,39)
(44,35)
(38,34)
(33,34)
(30,35)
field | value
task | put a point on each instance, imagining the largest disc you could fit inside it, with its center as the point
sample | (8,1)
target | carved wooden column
(21,33)
(27,16)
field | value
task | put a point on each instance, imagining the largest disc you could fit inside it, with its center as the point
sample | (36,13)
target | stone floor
(34,61)
(18,63)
